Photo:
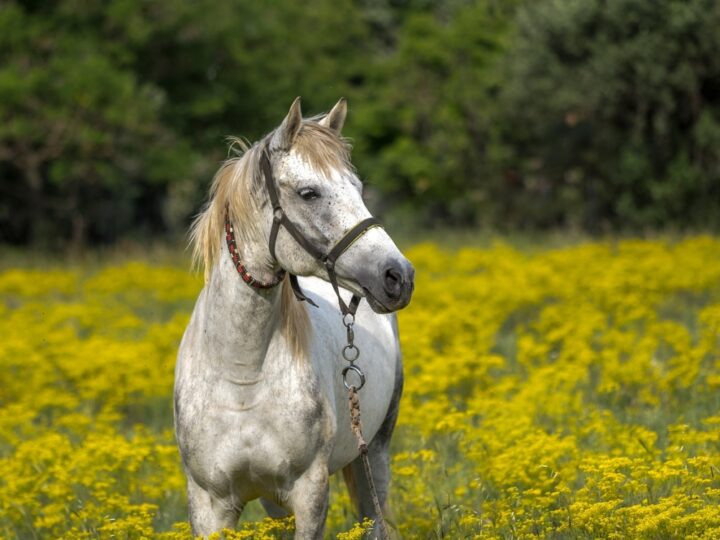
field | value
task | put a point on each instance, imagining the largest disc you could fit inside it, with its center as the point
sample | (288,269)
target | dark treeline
(590,114)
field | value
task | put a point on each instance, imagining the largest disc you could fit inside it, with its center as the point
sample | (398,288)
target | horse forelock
(325,150)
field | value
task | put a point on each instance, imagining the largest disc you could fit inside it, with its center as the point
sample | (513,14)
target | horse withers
(260,403)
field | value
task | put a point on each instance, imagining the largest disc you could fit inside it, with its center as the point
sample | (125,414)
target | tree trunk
(78,222)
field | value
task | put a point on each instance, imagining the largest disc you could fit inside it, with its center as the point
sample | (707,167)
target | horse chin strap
(329,259)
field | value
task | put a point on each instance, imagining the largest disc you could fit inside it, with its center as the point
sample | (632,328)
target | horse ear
(335,119)
(284,136)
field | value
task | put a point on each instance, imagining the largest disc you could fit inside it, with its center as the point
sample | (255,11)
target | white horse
(260,406)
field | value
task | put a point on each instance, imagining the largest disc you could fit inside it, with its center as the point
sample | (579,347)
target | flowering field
(568,393)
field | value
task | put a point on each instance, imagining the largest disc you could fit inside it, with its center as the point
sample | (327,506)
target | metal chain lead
(351,353)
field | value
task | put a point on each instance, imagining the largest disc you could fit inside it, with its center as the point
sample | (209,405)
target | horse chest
(261,440)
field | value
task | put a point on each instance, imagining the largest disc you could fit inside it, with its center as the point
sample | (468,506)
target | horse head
(319,197)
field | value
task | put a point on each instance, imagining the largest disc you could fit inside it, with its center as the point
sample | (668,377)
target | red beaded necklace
(244,274)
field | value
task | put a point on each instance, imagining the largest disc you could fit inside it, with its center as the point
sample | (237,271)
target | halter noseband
(329,259)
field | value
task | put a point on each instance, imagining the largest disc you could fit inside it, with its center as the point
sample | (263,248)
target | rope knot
(355,423)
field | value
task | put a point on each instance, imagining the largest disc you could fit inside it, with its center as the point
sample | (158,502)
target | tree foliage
(423,121)
(585,113)
(611,114)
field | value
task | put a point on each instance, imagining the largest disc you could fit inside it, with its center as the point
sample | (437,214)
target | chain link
(351,353)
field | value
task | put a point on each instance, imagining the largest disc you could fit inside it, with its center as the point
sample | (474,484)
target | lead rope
(351,353)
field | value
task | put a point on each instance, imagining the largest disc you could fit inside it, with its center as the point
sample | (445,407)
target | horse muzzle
(391,289)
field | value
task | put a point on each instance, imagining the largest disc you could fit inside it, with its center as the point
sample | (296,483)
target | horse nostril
(393,283)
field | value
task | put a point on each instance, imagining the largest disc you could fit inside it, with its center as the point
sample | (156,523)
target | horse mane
(237,188)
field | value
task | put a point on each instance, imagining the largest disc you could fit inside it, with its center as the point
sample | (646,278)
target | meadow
(566,392)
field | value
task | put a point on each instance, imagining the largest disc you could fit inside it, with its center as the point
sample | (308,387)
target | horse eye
(308,194)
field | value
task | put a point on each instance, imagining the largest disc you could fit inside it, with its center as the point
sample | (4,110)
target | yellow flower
(557,393)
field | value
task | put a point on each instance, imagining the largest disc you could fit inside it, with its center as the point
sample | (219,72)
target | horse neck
(239,321)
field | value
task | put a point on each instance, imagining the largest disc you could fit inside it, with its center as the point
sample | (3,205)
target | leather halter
(329,259)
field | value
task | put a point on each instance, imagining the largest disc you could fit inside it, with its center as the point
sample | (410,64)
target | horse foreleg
(208,513)
(309,502)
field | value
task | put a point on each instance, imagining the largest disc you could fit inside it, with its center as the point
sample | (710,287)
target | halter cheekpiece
(281,219)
